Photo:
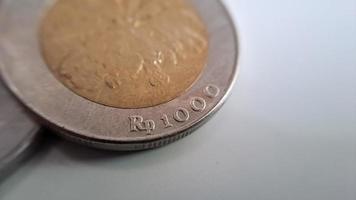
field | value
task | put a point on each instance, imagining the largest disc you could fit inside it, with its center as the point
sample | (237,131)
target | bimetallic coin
(18,133)
(126,54)
(136,126)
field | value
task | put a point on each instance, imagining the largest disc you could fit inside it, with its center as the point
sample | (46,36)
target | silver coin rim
(23,148)
(139,142)
(23,145)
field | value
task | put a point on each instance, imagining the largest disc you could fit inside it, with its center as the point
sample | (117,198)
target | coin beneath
(39,67)
(18,133)
(125,53)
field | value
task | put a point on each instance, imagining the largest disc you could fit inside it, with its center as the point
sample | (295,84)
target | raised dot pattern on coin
(125,53)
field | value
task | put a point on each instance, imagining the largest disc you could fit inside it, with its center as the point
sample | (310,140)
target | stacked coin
(119,74)
(18,133)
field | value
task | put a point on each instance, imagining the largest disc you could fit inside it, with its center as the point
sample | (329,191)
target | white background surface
(288,132)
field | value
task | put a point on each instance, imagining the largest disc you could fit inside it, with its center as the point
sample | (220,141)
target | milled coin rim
(18,81)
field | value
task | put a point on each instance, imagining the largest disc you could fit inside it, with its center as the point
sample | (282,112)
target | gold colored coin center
(125,53)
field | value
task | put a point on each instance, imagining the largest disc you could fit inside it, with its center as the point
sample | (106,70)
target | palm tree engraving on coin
(125,53)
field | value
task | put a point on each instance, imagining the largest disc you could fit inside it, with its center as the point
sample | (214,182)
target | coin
(126,54)
(18,133)
(79,119)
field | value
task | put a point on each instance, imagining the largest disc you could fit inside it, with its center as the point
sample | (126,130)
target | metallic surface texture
(125,53)
(79,119)
(286,133)
(17,131)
